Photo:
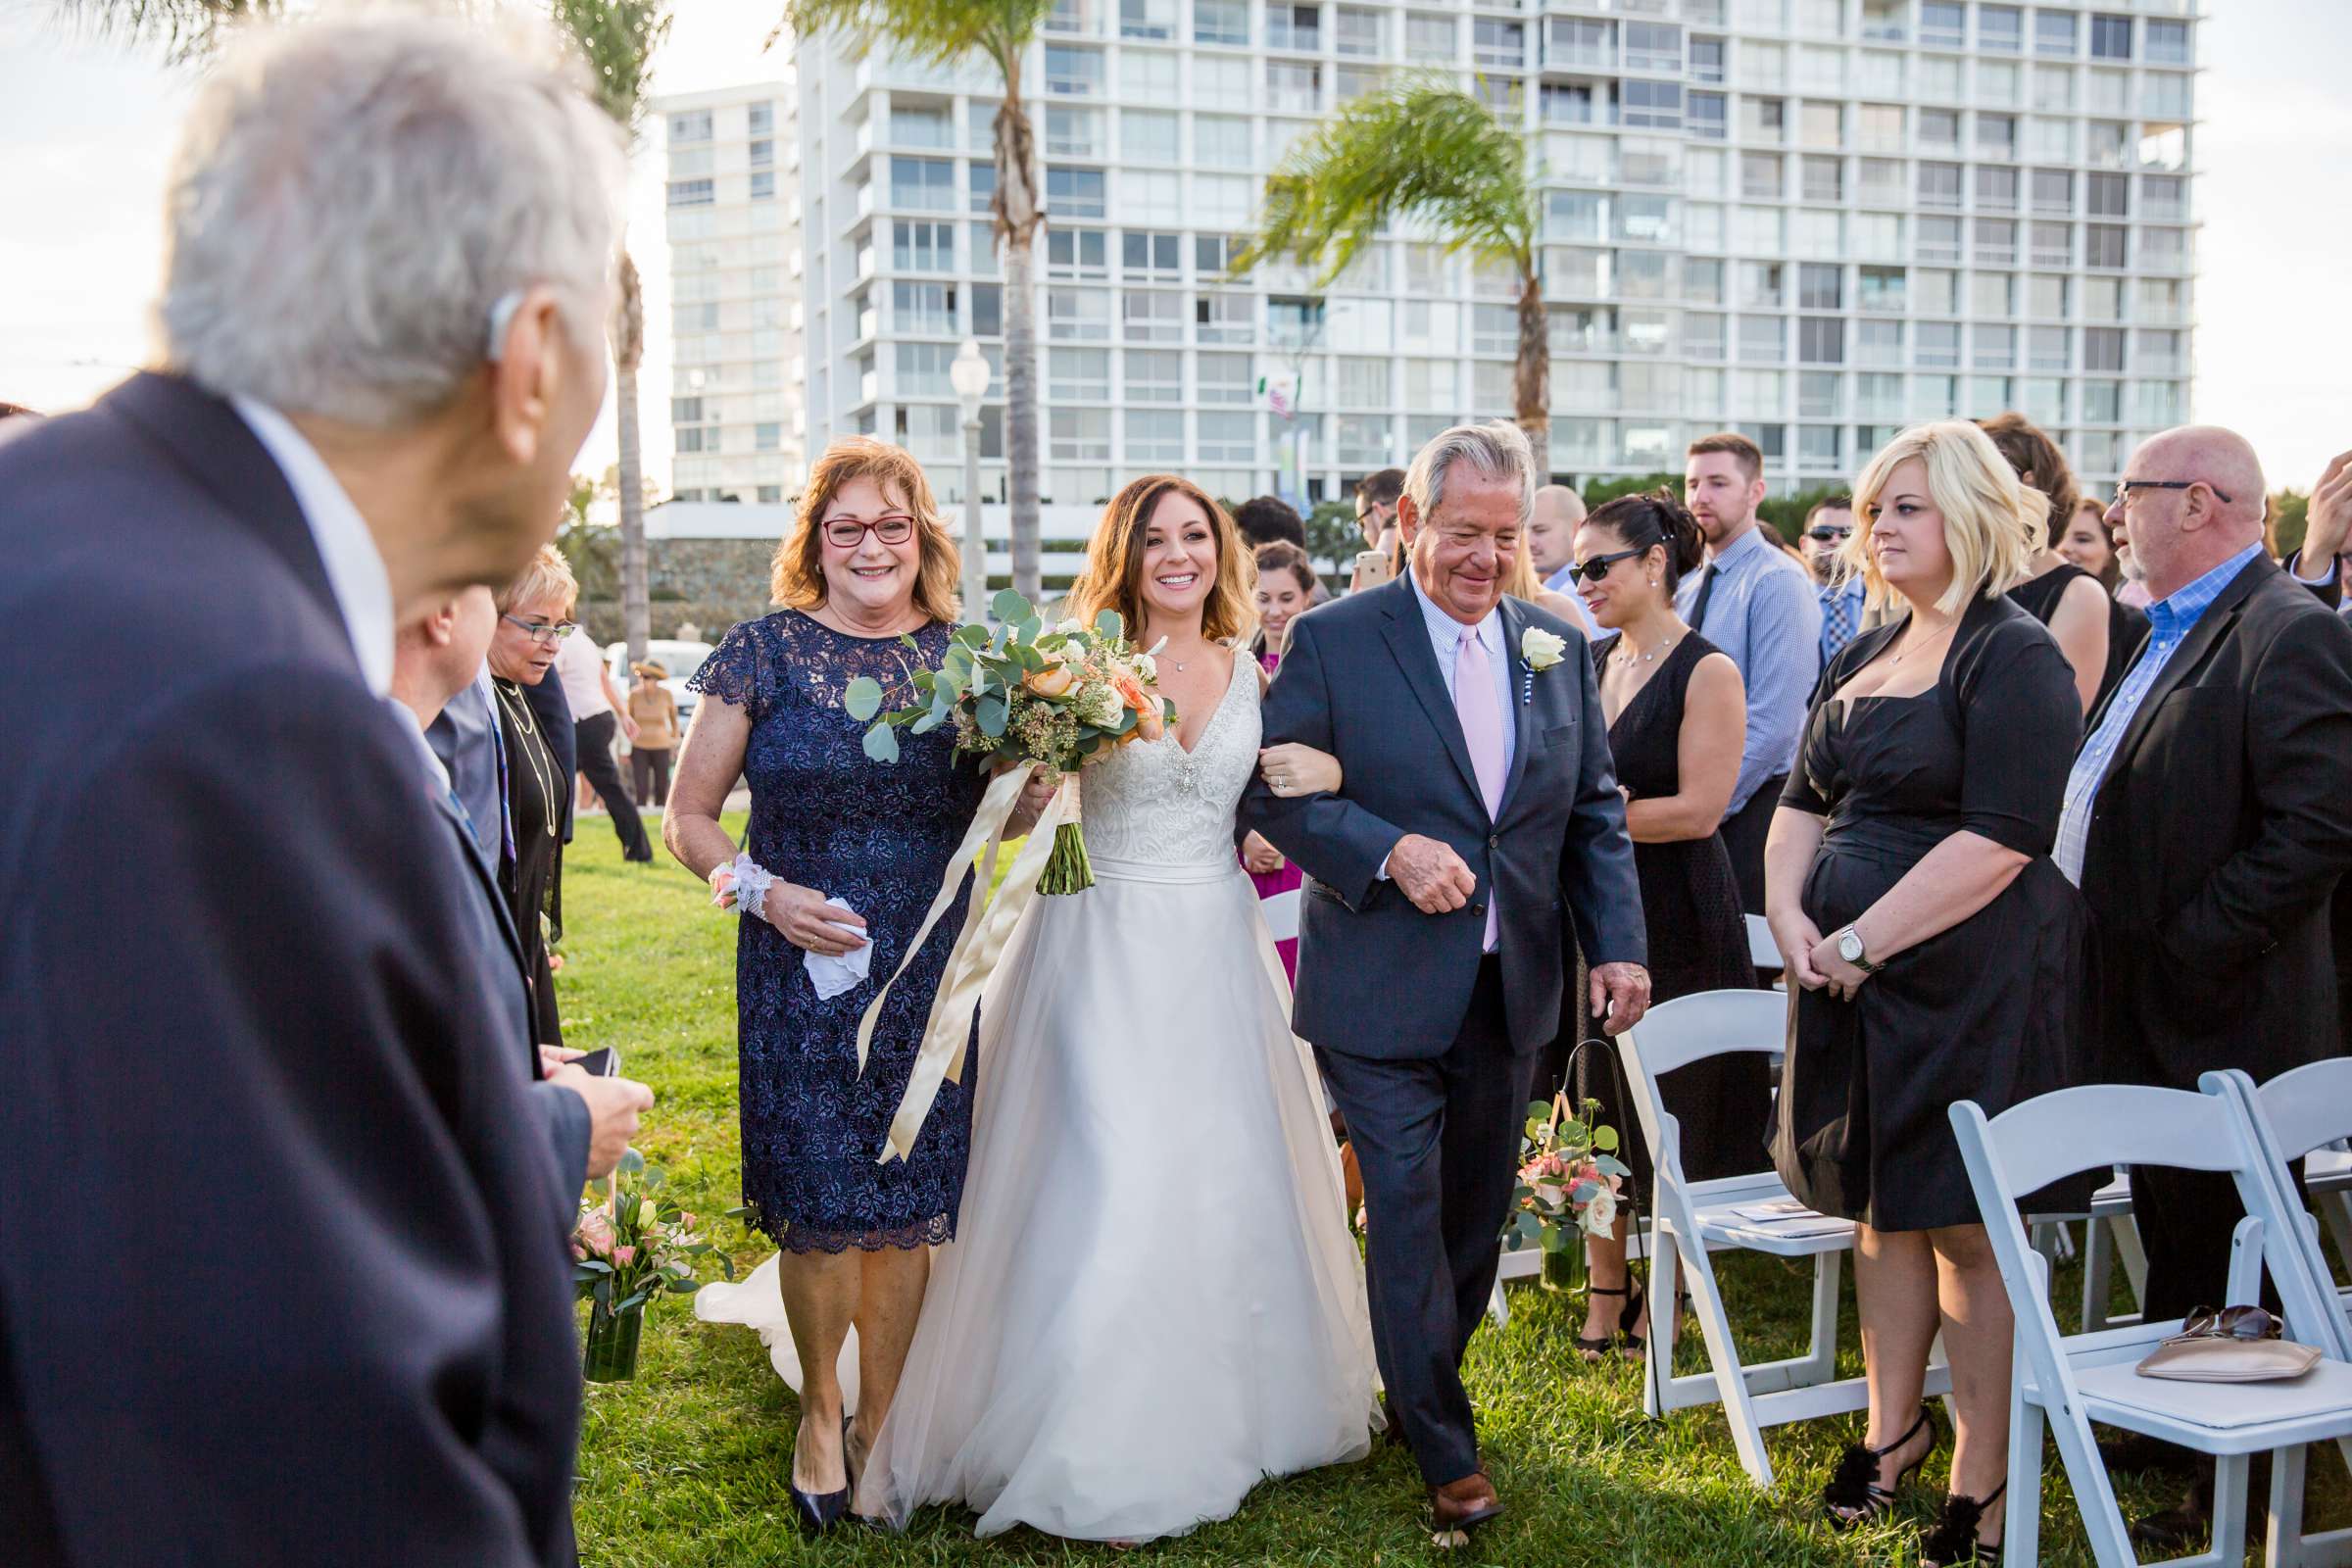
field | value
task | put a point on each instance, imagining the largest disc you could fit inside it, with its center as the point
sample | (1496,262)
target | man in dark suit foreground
(2208,821)
(284,1278)
(1480,818)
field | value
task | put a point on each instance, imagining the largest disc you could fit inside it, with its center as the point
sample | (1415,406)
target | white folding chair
(2302,1114)
(1691,1220)
(1762,951)
(2111,1237)
(2068,1383)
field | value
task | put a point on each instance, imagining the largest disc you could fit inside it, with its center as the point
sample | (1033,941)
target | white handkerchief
(832,976)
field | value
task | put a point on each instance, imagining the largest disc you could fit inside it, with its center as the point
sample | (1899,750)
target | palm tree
(945,32)
(1423,150)
(617,40)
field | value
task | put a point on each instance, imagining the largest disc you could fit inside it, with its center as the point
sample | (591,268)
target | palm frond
(1419,149)
(936,32)
(187,31)
(618,39)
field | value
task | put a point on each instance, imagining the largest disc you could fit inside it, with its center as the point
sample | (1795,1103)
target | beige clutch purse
(2197,1359)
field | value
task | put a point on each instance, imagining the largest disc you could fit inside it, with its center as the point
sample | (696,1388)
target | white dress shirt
(355,568)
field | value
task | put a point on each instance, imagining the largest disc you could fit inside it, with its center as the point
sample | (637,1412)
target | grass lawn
(687,1465)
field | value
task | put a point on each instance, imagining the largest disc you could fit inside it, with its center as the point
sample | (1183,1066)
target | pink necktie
(1475,706)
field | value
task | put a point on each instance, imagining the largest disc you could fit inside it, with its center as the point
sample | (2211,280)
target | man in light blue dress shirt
(1757,606)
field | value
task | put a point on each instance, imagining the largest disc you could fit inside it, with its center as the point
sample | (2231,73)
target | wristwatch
(1849,948)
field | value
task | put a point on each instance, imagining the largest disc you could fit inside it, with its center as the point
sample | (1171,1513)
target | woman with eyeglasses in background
(1676,713)
(867,561)
(534,617)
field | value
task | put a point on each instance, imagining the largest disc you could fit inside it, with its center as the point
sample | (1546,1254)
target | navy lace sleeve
(732,671)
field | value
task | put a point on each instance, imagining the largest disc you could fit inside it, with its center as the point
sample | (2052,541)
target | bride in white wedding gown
(1154,1300)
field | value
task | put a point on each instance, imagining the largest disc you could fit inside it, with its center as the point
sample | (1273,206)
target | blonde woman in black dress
(534,616)
(1933,948)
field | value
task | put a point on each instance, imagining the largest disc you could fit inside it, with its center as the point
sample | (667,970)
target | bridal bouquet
(1027,694)
(1567,1186)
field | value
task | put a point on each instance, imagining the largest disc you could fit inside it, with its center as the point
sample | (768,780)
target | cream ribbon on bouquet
(948,1031)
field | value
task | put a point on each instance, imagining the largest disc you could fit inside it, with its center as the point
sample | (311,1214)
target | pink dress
(1278,891)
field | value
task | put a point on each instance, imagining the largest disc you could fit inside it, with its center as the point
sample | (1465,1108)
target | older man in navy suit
(284,1279)
(1480,817)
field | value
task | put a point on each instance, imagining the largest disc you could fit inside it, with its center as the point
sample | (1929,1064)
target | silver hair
(1498,450)
(352,198)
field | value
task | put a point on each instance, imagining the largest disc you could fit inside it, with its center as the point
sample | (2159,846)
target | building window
(1078,436)
(1707,115)
(1652,46)
(1150,254)
(1073,73)
(1077,316)
(983,186)
(1072,131)
(928,309)
(763,153)
(693,125)
(1151,315)
(2103,245)
(1148,18)
(1155,435)
(1997,187)
(1221,318)
(1878,342)
(1295,27)
(988,310)
(1820,340)
(760,121)
(2110,195)
(1292,87)
(1154,375)
(1077,253)
(691,193)
(769,438)
(1939,345)
(922,247)
(1825,178)
(921,127)
(2000,29)
(770,494)
(1222,141)
(2109,37)
(1820,287)
(2168,43)
(1428,39)
(1361,33)
(1221,22)
(923,184)
(2103,349)
(763,184)
(1224,378)
(1074,192)
(1228,437)
(2054,32)
(1214,253)
(1942,23)
(1077,376)
(1147,136)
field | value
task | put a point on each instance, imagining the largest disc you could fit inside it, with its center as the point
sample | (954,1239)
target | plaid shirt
(2169,621)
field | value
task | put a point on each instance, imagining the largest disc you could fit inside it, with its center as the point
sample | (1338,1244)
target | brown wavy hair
(798,577)
(2039,464)
(1113,576)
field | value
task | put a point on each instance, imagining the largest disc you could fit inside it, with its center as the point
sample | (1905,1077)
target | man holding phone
(1376,497)
(589,1114)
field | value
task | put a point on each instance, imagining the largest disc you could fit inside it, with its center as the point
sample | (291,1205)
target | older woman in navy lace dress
(867,562)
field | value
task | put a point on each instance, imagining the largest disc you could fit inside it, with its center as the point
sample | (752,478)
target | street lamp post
(969,376)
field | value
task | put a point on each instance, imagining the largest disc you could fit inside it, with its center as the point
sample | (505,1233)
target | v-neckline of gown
(1216,715)
(1647,686)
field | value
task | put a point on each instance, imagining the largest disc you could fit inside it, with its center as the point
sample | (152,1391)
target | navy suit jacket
(1376,976)
(283,1274)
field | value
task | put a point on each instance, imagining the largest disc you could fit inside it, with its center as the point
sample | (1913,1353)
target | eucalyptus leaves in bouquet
(1027,695)
(632,1242)
(1567,1184)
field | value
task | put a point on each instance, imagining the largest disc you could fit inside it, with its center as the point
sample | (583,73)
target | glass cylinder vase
(1564,1269)
(612,1355)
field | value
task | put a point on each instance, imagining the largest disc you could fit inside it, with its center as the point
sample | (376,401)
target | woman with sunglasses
(840,858)
(1678,715)
(534,617)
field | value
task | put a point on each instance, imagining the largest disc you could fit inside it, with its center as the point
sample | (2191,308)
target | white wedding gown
(1154,1300)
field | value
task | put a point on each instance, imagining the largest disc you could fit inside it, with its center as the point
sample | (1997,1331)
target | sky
(88,130)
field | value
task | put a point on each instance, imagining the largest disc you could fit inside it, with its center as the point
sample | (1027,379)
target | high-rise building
(737,414)
(1811,220)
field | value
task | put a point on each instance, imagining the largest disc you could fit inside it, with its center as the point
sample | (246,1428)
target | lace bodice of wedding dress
(1153,803)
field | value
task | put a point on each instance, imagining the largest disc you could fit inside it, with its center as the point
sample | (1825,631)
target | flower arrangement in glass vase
(632,1244)
(1567,1188)
(1029,695)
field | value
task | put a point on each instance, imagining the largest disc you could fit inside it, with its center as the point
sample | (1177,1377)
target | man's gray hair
(1498,450)
(352,198)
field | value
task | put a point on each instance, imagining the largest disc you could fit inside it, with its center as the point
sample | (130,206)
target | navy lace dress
(877,836)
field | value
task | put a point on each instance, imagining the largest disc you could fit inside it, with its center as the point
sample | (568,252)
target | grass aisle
(687,1465)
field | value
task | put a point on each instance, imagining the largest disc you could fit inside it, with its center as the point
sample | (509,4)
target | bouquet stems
(1068,870)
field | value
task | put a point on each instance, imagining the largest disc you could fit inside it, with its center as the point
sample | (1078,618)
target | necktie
(1836,619)
(1481,714)
(1698,606)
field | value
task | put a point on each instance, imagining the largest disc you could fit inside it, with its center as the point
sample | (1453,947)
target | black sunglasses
(1826,534)
(1598,567)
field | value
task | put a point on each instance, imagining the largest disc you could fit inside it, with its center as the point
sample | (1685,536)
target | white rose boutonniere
(1540,648)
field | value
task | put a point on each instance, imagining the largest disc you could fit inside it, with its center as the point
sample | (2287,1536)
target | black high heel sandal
(1592,1349)
(1955,1541)
(1853,1496)
(821,1511)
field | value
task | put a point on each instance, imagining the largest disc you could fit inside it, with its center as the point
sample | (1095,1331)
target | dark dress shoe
(821,1511)
(1465,1505)
(2135,1451)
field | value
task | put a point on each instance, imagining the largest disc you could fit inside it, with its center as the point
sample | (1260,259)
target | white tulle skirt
(1154,1300)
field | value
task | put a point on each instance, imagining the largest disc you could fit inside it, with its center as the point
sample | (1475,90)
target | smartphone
(1372,568)
(604,1063)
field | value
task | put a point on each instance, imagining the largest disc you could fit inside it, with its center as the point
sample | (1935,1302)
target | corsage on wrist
(741,886)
